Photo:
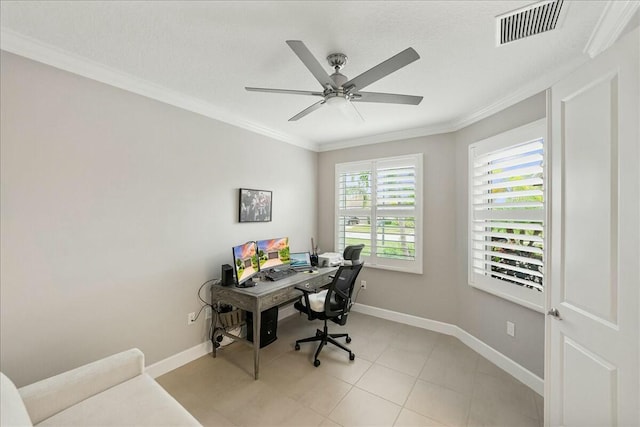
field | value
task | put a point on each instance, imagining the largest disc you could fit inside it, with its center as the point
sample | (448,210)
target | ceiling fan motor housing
(337,60)
(339,79)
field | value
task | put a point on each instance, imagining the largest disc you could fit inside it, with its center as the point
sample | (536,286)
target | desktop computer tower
(268,326)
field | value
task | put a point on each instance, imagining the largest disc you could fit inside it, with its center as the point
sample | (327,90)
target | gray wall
(442,292)
(479,313)
(432,294)
(114,210)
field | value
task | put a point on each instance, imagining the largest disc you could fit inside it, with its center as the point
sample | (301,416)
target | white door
(591,374)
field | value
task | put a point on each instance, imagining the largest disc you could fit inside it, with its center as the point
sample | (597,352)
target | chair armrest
(306,288)
(305,293)
(52,395)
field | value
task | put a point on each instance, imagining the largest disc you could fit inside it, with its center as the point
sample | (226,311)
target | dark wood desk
(265,295)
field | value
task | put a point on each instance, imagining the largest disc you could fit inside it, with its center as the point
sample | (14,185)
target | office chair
(338,301)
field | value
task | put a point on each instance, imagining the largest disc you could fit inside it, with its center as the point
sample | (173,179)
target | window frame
(534,300)
(374,261)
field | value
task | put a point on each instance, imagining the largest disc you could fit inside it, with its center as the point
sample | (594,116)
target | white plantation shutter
(353,192)
(396,209)
(378,203)
(507,215)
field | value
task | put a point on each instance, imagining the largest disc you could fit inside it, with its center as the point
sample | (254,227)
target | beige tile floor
(402,376)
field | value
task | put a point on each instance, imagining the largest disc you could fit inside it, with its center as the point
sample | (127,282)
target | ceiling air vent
(528,21)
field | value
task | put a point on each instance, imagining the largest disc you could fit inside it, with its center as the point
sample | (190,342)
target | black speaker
(227,275)
(268,326)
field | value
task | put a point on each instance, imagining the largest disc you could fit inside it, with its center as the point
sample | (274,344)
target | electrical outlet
(363,283)
(511,329)
(191,318)
(207,312)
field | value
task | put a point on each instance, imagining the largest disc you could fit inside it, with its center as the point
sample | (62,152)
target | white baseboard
(516,370)
(191,354)
(519,372)
(407,319)
(177,360)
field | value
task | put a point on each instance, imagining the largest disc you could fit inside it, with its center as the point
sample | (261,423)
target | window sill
(528,298)
(417,270)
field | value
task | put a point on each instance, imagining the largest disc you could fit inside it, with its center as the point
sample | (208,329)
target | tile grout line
(473,390)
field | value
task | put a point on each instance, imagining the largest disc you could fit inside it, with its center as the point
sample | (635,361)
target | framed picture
(255,205)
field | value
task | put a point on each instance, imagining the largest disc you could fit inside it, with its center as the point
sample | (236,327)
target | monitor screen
(245,262)
(273,252)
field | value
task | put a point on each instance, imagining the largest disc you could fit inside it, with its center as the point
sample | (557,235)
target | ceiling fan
(338,90)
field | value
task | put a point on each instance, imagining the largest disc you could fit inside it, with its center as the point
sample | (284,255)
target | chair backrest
(340,295)
(352,253)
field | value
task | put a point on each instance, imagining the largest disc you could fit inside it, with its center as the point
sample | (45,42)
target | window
(507,215)
(379,203)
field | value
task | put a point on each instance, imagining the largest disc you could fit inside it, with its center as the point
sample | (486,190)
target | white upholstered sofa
(111,391)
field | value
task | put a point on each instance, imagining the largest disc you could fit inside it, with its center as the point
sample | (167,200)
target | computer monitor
(245,264)
(273,253)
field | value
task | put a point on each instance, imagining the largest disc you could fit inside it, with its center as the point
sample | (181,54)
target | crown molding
(33,49)
(28,47)
(539,85)
(615,17)
(385,137)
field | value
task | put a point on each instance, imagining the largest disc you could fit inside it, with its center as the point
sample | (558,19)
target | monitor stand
(248,284)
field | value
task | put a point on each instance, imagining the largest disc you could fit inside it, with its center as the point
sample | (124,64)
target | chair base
(325,337)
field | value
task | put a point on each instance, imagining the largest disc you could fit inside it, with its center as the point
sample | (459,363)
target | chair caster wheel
(219,338)
(352,356)
(318,333)
(216,344)
(348,340)
(297,347)
(316,363)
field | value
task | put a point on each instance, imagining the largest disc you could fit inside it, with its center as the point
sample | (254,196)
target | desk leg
(213,343)
(257,328)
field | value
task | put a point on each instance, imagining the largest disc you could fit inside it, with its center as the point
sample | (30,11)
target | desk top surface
(264,287)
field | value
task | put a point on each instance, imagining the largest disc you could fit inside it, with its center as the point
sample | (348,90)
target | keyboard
(279,274)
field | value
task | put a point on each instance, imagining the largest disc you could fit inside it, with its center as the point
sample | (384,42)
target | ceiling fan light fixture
(336,101)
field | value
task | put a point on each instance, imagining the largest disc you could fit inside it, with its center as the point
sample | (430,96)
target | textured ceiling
(209,51)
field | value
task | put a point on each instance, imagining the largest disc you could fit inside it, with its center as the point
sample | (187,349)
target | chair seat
(312,314)
(316,300)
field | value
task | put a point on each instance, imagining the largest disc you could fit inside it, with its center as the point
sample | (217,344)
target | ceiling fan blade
(383,69)
(311,63)
(287,91)
(307,110)
(387,98)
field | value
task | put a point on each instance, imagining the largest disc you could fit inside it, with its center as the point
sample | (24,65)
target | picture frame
(254,205)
